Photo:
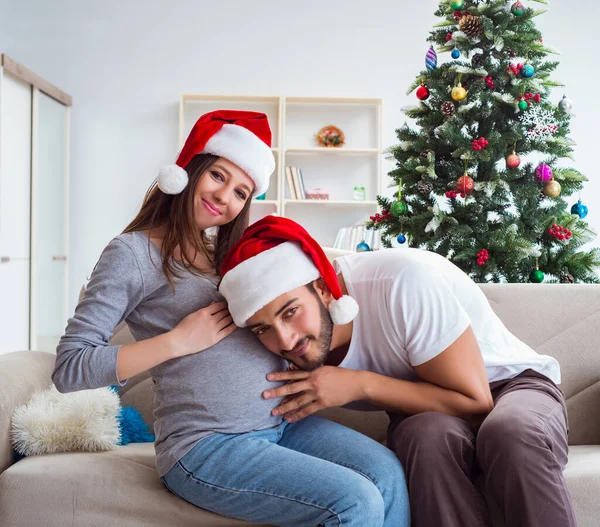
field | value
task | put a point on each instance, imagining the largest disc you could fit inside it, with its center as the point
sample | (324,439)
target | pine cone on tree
(448,108)
(424,187)
(567,279)
(478,60)
(471,25)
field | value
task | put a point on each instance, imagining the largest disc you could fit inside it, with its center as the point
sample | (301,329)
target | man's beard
(324,342)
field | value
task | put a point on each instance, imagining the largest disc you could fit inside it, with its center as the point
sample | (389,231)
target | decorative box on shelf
(317,193)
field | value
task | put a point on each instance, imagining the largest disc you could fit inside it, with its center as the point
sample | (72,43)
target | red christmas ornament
(423,93)
(448,37)
(465,185)
(513,161)
(452,194)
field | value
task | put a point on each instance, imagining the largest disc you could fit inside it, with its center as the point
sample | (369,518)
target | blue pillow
(133,427)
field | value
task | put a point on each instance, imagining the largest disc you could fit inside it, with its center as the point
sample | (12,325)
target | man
(406,331)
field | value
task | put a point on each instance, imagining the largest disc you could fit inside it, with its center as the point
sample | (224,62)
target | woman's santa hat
(274,256)
(242,137)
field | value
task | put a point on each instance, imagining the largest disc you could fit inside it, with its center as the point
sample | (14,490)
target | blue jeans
(311,472)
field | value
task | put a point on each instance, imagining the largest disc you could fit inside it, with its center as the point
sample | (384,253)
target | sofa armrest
(21,374)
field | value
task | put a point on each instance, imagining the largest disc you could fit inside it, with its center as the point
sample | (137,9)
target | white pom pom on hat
(172,179)
(242,137)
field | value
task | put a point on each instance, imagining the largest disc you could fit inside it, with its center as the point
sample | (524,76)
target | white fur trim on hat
(172,179)
(242,147)
(343,310)
(259,280)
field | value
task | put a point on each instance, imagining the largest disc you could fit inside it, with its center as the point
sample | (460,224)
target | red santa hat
(274,256)
(242,137)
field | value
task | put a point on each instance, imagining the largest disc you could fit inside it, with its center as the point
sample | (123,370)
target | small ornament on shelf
(513,160)
(579,209)
(552,189)
(536,276)
(455,53)
(471,25)
(482,257)
(423,92)
(362,247)
(565,105)
(560,232)
(465,185)
(518,9)
(448,108)
(431,59)
(457,4)
(479,144)
(543,173)
(317,193)
(330,137)
(359,194)
(401,239)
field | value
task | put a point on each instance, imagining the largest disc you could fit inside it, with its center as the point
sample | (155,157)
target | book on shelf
(295,182)
(290,182)
(349,237)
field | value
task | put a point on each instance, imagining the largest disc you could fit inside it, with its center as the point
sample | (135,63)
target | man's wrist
(361,385)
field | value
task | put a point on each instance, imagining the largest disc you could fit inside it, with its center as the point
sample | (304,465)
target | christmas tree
(483,179)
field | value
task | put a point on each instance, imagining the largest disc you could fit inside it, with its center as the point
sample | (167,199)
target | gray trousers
(519,452)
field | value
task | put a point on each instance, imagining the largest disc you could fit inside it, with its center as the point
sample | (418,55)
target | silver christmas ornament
(566,105)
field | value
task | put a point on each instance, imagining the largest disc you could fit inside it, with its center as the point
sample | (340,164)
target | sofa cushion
(119,488)
(583,479)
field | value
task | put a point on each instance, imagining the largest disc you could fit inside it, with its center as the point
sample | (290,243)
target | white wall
(126,62)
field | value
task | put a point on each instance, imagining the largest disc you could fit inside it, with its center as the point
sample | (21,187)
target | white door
(15,212)
(49,222)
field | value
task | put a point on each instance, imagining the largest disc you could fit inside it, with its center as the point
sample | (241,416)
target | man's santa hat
(242,137)
(274,256)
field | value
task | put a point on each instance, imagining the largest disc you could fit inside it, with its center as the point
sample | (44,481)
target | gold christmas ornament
(459,93)
(471,25)
(552,189)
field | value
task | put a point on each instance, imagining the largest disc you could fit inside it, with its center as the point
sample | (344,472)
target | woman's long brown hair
(176,214)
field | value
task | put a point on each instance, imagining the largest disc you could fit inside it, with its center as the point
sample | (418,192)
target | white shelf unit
(295,122)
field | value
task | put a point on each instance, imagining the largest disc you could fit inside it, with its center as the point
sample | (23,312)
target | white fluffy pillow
(64,422)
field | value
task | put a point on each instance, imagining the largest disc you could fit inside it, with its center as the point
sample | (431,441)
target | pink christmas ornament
(543,173)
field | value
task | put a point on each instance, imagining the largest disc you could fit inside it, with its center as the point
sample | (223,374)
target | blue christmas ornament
(528,71)
(362,247)
(401,239)
(579,209)
(431,59)
(455,53)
